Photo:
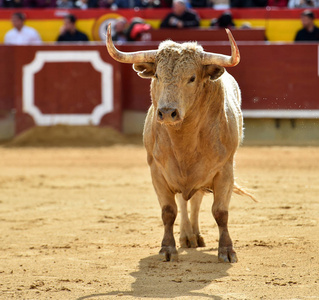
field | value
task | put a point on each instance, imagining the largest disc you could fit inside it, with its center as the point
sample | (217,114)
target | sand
(84,223)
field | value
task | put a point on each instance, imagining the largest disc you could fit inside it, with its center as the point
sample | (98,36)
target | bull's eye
(156,76)
(192,79)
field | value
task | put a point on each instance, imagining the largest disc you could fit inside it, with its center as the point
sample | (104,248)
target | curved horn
(129,57)
(220,59)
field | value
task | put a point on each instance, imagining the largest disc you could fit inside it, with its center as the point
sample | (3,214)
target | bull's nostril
(167,115)
(174,114)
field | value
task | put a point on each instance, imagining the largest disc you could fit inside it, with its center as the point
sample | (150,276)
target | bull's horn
(223,60)
(129,57)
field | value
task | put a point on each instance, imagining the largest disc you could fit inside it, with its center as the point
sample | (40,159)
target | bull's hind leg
(196,201)
(223,187)
(190,235)
(187,238)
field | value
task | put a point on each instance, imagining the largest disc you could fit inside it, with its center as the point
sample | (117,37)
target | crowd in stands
(138,30)
(85,4)
(181,16)
(117,4)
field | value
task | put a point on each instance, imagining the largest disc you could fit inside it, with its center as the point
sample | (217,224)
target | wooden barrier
(276,80)
(6,78)
(81,84)
(207,35)
(76,85)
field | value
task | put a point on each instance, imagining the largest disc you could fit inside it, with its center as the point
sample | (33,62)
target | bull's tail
(240,191)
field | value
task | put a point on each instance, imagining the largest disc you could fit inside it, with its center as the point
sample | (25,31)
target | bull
(191,133)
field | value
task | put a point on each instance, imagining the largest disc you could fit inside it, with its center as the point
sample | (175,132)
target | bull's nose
(168,115)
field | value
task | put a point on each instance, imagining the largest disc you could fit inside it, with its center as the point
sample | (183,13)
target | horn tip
(109,29)
(228,32)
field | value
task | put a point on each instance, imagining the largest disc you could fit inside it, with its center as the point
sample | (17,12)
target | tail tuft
(240,191)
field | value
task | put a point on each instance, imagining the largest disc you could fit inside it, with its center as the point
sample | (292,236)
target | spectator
(166,3)
(85,4)
(199,3)
(248,3)
(309,32)
(138,30)
(21,34)
(69,33)
(13,3)
(224,21)
(180,17)
(119,30)
(82,4)
(219,4)
(64,4)
(107,4)
(303,3)
(151,3)
(127,4)
(40,3)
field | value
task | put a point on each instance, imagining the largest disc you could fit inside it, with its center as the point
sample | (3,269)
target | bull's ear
(144,70)
(214,72)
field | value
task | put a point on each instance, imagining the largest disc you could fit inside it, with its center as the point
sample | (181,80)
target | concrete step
(7,125)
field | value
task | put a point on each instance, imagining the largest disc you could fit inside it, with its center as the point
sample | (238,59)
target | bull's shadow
(195,270)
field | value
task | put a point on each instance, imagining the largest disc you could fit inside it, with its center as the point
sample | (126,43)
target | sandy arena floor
(84,223)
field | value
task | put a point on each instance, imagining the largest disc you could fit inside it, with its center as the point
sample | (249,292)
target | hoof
(169,253)
(227,254)
(192,242)
(200,241)
(188,242)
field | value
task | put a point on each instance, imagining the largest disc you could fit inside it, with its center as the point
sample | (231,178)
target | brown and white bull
(192,131)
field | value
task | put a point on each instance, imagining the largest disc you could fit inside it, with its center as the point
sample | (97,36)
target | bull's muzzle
(168,115)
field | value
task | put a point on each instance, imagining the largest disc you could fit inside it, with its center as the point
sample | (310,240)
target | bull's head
(178,72)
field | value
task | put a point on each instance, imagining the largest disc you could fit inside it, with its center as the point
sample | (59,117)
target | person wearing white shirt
(303,3)
(21,34)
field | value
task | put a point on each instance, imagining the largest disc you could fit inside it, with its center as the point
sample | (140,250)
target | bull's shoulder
(148,132)
(231,88)
(232,107)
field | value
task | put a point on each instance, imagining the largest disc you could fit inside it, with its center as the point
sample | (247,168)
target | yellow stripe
(276,29)
(48,30)
(282,30)
(86,27)
(4,27)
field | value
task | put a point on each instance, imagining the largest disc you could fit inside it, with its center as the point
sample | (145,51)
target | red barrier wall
(207,35)
(72,84)
(61,84)
(271,77)
(6,78)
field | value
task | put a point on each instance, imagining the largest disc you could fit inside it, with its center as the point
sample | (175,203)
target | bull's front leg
(223,187)
(168,205)
(169,212)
